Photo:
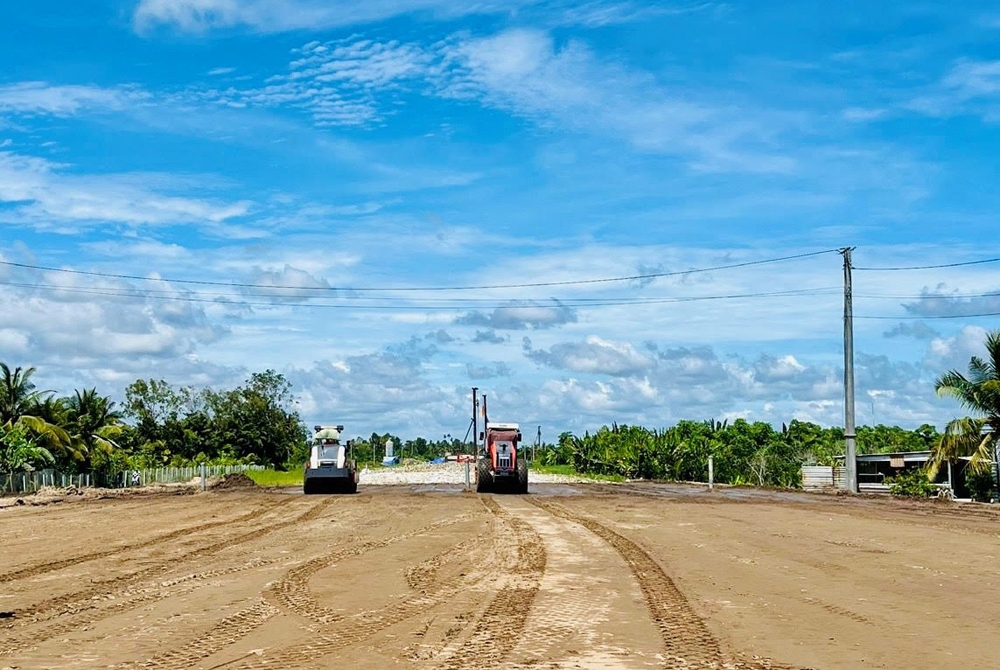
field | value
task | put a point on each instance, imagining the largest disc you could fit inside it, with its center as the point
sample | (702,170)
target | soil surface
(569,576)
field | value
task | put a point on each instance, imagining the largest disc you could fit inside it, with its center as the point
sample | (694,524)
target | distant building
(874,469)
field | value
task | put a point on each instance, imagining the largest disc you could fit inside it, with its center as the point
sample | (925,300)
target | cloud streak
(272,16)
(46,195)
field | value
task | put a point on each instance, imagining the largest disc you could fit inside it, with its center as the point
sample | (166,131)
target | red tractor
(502,466)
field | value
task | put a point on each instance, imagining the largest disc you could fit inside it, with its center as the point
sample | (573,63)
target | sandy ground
(428,576)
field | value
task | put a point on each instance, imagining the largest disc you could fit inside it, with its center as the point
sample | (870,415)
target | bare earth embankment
(570,576)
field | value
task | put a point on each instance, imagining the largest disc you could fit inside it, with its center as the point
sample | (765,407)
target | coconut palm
(18,394)
(979,392)
(24,408)
(93,423)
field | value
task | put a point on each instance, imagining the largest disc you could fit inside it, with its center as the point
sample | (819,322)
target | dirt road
(571,576)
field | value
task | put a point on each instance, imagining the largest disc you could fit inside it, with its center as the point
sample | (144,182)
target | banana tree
(18,452)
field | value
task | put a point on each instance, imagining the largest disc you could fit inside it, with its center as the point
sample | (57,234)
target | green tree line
(161,425)
(743,452)
(157,425)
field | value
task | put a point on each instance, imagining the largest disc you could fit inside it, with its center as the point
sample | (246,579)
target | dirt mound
(237,480)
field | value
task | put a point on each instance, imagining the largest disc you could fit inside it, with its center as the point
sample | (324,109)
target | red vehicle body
(501,466)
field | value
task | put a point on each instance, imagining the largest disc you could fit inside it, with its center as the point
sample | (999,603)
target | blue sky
(439,143)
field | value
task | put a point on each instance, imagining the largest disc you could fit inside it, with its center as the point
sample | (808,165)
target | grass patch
(570,471)
(275,477)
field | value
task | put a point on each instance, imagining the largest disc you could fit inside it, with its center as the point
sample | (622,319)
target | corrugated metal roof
(907,456)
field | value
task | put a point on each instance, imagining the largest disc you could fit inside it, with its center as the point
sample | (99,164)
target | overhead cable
(568,282)
(926,267)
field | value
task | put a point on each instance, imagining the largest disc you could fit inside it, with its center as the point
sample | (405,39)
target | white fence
(29,482)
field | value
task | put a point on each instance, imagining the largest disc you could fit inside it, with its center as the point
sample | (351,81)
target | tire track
(496,632)
(687,641)
(223,634)
(129,600)
(510,605)
(52,566)
(290,593)
(424,575)
(92,597)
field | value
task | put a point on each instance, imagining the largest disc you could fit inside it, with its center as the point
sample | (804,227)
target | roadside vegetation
(160,425)
(744,453)
(275,478)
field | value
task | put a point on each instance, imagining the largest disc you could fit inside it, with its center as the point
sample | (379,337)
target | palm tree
(979,392)
(94,423)
(24,408)
(17,393)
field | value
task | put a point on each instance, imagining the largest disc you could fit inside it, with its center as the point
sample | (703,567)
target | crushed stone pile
(415,472)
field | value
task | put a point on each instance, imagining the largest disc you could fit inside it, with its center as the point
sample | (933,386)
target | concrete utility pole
(475,423)
(538,444)
(849,435)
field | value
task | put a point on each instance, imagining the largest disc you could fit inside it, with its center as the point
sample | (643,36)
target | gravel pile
(442,473)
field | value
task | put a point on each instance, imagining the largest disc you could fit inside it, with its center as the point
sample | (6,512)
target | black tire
(522,475)
(484,477)
(307,488)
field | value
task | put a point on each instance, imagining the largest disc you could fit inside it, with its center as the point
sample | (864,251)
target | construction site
(634,575)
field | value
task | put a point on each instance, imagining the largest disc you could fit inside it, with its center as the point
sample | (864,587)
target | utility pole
(538,444)
(849,435)
(475,423)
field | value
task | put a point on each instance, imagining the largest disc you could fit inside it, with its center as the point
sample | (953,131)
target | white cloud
(521,315)
(862,114)
(49,196)
(953,352)
(13,342)
(490,371)
(525,72)
(283,15)
(971,79)
(593,356)
(334,81)
(152,251)
(302,285)
(970,86)
(940,301)
(36,97)
(918,330)
(363,63)
(600,13)
(360,82)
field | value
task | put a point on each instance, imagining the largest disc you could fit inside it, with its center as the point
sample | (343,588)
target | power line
(906,317)
(448,304)
(928,296)
(524,302)
(928,267)
(570,282)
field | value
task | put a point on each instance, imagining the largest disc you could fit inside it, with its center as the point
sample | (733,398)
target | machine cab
(327,451)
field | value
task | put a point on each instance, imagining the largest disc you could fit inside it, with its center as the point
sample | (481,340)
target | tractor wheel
(522,475)
(484,477)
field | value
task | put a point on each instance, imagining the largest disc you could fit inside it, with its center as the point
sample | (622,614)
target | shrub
(911,484)
(980,485)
